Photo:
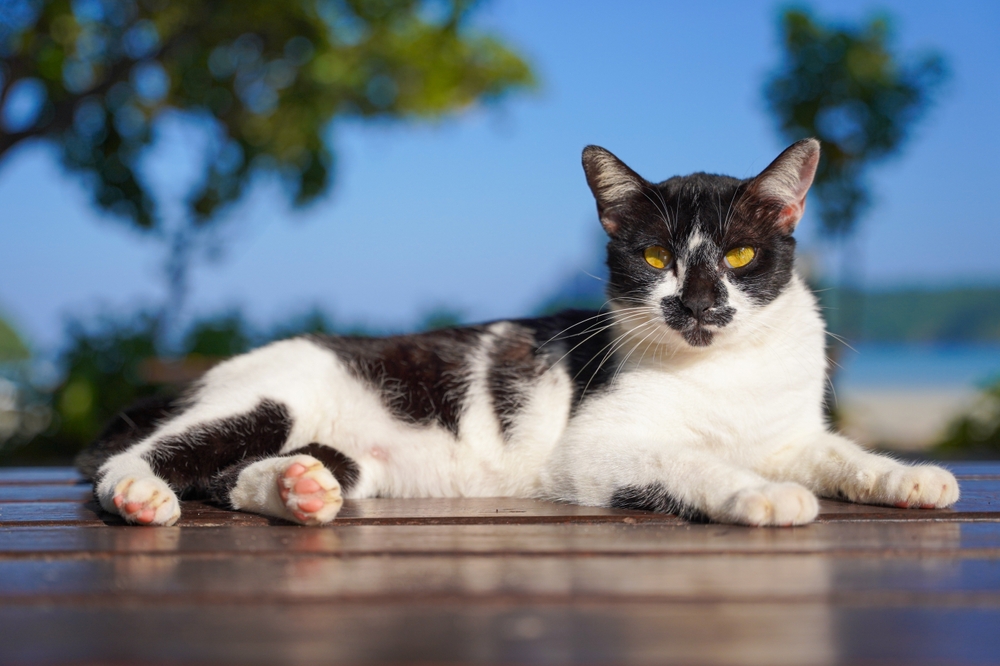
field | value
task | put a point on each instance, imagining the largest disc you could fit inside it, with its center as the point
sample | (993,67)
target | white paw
(146,501)
(772,504)
(924,486)
(309,491)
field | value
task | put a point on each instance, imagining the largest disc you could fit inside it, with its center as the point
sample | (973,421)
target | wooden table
(495,580)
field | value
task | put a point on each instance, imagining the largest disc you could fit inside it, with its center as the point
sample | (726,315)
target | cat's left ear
(786,181)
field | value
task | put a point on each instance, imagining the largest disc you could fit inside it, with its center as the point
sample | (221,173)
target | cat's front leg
(697,484)
(834,466)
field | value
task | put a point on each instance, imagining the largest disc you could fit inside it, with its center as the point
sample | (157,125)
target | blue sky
(488,212)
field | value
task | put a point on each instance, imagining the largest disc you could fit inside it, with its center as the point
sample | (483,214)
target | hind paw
(310,492)
(146,501)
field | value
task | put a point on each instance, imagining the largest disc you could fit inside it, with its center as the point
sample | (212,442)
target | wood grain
(870,538)
(980,501)
(495,581)
(856,579)
(769,634)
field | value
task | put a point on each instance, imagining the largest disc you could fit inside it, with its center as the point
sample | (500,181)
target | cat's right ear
(612,183)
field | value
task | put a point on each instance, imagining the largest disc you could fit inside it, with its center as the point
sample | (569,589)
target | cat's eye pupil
(739,257)
(657,257)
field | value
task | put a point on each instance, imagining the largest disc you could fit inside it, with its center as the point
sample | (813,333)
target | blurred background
(183,180)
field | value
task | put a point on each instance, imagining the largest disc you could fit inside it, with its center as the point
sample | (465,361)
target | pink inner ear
(790,215)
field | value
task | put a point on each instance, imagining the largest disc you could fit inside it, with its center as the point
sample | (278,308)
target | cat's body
(699,392)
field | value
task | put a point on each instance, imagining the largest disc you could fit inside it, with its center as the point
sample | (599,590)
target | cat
(698,390)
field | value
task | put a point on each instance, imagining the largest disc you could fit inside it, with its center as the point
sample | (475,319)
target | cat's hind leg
(142,483)
(303,486)
(836,467)
(131,490)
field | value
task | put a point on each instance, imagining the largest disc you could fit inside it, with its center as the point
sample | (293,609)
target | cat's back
(478,408)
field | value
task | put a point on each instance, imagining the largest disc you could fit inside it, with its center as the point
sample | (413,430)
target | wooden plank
(856,579)
(874,539)
(89,514)
(47,504)
(48,492)
(12,475)
(771,634)
(452,511)
(483,510)
(973,468)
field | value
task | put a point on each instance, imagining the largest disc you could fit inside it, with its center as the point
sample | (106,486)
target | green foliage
(12,349)
(270,74)
(977,433)
(441,317)
(104,373)
(219,337)
(845,86)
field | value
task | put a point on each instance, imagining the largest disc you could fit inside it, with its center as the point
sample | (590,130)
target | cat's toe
(772,504)
(310,492)
(146,501)
(925,487)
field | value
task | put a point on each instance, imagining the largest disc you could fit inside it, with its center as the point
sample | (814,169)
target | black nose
(700,292)
(698,303)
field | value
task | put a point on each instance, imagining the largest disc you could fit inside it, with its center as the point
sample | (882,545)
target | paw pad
(310,492)
(146,501)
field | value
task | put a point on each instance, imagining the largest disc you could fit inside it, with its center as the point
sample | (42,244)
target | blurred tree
(977,433)
(268,77)
(12,349)
(93,76)
(844,86)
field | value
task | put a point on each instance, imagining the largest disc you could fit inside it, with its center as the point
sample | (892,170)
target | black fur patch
(514,362)
(125,429)
(582,340)
(220,487)
(422,378)
(187,462)
(345,470)
(653,497)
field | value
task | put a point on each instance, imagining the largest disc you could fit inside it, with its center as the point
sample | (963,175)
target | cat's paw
(923,486)
(772,504)
(146,501)
(309,491)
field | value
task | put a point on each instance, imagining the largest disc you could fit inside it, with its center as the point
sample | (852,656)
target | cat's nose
(700,292)
(697,304)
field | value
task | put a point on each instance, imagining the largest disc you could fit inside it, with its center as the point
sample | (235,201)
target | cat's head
(699,254)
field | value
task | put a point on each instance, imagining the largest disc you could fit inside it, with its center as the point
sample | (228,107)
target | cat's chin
(698,336)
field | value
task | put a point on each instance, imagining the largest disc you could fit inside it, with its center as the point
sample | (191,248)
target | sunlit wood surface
(495,581)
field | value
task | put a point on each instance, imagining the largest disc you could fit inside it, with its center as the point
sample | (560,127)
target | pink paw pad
(310,492)
(146,501)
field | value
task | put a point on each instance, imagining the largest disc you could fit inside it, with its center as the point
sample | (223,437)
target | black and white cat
(699,391)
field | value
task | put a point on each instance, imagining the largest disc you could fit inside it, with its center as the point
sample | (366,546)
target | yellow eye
(739,257)
(658,257)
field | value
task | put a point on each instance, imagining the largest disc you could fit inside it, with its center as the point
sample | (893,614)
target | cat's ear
(612,183)
(786,181)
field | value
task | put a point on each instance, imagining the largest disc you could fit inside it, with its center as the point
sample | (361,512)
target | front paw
(772,504)
(925,486)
